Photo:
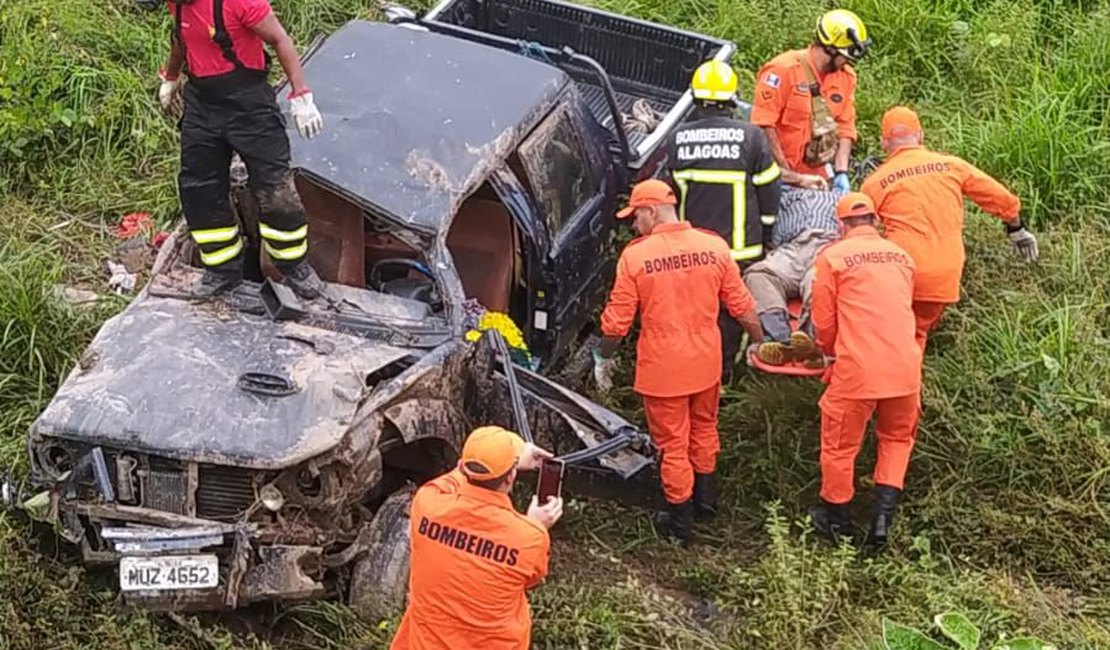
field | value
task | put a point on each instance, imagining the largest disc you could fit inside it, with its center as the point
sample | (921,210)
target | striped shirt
(801,210)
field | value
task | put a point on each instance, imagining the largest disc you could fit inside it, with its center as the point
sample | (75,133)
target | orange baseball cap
(646,194)
(490,452)
(855,204)
(900,121)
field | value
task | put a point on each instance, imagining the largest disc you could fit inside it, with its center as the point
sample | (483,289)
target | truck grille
(166,491)
(166,485)
(223,493)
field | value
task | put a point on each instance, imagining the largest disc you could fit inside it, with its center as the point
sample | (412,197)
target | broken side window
(557,169)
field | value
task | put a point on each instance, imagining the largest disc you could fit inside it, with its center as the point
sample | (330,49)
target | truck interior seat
(335,235)
(482,242)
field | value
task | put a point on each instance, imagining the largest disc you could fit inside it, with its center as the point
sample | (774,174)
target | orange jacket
(863,313)
(677,277)
(918,194)
(782,101)
(473,557)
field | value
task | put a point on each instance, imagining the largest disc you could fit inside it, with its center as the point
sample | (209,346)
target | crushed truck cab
(261,448)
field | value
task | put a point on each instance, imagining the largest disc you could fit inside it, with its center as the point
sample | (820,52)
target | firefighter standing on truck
(805,102)
(919,195)
(726,179)
(230,107)
(676,276)
(863,315)
(473,555)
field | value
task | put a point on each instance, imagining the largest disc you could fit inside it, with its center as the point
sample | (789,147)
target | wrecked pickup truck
(258,448)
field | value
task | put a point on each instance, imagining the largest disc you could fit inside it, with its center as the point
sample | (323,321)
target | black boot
(677,521)
(302,279)
(705,497)
(218,280)
(832,520)
(884,501)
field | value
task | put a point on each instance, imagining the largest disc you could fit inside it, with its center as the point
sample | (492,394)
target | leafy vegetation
(1005,517)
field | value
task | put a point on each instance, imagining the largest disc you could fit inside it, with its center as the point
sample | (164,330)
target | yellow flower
(503,324)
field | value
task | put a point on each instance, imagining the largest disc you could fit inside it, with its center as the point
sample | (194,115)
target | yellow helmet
(714,81)
(843,31)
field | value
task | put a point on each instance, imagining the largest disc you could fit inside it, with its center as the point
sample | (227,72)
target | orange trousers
(927,315)
(843,424)
(684,430)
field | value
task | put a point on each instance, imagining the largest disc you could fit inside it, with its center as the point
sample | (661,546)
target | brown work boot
(773,353)
(803,347)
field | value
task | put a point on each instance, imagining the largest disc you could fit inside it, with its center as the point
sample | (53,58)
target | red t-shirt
(205,57)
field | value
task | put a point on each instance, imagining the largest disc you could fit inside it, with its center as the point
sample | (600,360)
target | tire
(379,579)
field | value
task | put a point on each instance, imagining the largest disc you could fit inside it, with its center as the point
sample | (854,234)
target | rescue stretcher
(790,368)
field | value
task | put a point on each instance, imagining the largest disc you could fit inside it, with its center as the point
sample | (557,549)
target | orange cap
(646,194)
(855,204)
(490,452)
(900,121)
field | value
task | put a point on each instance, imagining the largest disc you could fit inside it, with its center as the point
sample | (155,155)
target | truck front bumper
(247,573)
(123,537)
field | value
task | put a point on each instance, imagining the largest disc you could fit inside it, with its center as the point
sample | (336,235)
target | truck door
(572,183)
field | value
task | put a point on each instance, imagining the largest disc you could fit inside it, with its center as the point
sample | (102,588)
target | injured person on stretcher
(806,222)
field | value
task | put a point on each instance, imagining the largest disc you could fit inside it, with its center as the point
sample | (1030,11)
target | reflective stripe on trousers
(284,245)
(218,246)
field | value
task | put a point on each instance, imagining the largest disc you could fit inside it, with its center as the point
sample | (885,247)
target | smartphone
(550,483)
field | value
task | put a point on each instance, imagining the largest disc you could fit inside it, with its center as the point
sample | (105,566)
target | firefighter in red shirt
(676,276)
(229,107)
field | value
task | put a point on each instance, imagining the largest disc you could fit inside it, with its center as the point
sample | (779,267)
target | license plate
(168,572)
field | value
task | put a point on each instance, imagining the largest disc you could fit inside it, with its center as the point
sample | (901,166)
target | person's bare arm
(843,153)
(273,33)
(749,320)
(775,145)
(608,346)
(738,300)
(176,60)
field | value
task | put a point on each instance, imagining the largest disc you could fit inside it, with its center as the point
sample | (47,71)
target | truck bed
(643,60)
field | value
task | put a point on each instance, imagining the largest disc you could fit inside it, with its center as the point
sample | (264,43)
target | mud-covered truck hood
(194,382)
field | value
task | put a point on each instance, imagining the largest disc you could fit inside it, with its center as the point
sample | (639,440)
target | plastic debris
(134,224)
(75,296)
(121,281)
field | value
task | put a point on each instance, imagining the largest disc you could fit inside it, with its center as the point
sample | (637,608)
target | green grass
(1007,511)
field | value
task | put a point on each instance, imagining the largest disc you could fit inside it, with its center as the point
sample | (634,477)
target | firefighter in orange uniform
(676,276)
(863,316)
(473,555)
(919,197)
(805,102)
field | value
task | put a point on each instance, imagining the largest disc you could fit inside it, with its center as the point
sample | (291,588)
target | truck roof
(414,120)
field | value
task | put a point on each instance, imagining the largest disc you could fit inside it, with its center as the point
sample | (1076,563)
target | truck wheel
(379,580)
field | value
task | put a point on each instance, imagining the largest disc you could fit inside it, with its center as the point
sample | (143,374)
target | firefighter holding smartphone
(473,555)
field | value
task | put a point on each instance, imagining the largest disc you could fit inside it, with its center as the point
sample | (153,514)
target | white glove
(1025,244)
(167,92)
(603,372)
(306,116)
